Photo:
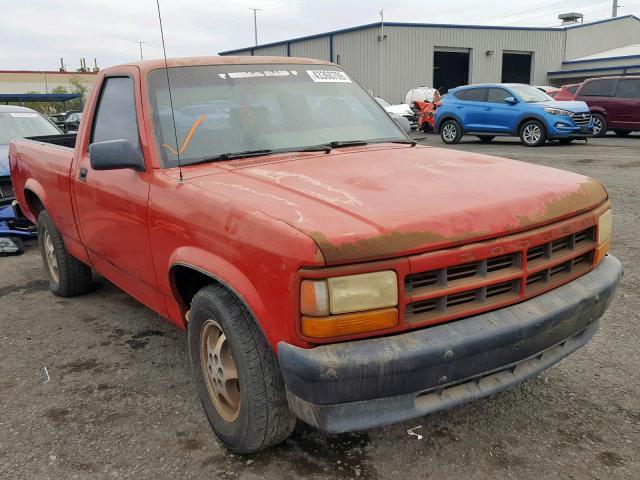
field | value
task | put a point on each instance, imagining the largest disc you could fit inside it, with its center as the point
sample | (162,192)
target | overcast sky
(36,33)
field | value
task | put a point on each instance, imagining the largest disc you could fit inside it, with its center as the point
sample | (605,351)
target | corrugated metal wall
(589,39)
(404,59)
(313,48)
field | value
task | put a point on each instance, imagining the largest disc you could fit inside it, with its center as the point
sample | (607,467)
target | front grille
(6,189)
(453,291)
(581,119)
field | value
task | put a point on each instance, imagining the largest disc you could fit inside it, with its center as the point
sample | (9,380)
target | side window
(498,95)
(628,88)
(472,95)
(116,112)
(599,88)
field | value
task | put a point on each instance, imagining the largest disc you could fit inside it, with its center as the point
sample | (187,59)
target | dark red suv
(614,103)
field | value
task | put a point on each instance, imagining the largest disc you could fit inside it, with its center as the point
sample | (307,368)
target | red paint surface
(252,223)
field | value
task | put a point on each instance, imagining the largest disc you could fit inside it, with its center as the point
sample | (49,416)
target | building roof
(619,53)
(38,97)
(432,25)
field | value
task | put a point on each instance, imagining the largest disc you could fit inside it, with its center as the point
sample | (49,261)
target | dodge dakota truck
(323,265)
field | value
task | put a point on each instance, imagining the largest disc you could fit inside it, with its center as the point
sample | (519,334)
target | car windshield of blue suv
(530,94)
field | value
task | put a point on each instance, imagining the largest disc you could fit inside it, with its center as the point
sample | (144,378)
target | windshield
(530,94)
(24,124)
(226,109)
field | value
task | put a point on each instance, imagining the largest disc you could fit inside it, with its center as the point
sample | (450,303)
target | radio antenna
(173,117)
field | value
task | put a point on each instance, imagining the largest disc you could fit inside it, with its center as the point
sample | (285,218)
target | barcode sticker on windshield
(328,76)
(23,115)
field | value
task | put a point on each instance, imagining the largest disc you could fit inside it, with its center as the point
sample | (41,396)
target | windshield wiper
(231,155)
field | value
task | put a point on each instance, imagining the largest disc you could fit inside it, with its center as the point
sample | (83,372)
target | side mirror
(510,100)
(115,155)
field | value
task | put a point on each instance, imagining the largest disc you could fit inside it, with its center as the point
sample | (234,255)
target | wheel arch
(35,199)
(187,277)
(527,118)
(445,117)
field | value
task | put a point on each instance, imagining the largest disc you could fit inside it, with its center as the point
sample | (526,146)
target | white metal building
(390,59)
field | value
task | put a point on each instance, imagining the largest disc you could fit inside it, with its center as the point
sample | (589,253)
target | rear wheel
(67,275)
(599,125)
(622,133)
(533,133)
(450,132)
(236,373)
(486,138)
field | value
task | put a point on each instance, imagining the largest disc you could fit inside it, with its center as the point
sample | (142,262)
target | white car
(401,110)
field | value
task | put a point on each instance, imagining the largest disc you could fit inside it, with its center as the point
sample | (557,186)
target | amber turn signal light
(349,323)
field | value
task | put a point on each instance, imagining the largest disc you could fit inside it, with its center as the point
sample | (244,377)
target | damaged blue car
(16,122)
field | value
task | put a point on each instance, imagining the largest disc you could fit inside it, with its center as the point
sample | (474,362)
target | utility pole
(140,44)
(614,11)
(255,23)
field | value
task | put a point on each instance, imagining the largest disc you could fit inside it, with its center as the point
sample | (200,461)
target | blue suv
(510,109)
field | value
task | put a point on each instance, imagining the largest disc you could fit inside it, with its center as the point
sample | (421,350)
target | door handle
(83,174)
(488,109)
(459,107)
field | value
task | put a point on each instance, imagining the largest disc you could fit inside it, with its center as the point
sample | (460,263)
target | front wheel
(236,373)
(533,133)
(599,125)
(450,132)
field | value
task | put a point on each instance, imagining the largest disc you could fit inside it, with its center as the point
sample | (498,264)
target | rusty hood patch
(360,204)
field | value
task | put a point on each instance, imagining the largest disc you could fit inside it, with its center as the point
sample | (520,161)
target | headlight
(605,230)
(557,111)
(349,304)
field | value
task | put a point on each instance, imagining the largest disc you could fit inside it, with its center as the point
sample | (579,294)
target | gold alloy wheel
(50,256)
(219,371)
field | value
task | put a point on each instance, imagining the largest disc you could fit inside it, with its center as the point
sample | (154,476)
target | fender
(35,187)
(598,109)
(447,116)
(219,270)
(528,116)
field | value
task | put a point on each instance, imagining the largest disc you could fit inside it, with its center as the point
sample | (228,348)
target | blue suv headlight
(557,111)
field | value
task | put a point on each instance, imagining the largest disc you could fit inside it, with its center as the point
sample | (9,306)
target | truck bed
(46,161)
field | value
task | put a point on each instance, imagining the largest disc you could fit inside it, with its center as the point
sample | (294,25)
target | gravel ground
(120,404)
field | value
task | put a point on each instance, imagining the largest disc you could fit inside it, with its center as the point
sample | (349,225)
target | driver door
(111,205)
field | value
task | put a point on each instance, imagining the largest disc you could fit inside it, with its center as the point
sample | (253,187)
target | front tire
(599,125)
(236,373)
(450,132)
(67,275)
(533,133)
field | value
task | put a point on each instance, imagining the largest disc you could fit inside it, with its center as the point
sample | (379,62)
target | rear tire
(599,125)
(486,138)
(622,133)
(533,133)
(236,373)
(67,275)
(450,132)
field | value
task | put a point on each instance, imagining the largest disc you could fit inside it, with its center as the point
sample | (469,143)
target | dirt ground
(120,403)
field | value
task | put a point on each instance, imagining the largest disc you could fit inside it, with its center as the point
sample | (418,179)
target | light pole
(140,44)
(255,23)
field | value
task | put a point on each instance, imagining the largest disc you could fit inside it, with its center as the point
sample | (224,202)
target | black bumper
(368,383)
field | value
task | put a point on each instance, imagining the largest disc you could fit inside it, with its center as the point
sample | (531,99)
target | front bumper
(374,382)
(564,127)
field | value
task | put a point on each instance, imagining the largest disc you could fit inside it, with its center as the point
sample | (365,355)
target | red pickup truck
(324,266)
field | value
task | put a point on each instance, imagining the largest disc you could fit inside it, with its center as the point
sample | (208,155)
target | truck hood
(4,161)
(380,202)
(572,106)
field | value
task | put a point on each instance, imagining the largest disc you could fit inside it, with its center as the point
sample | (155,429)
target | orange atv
(426,113)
